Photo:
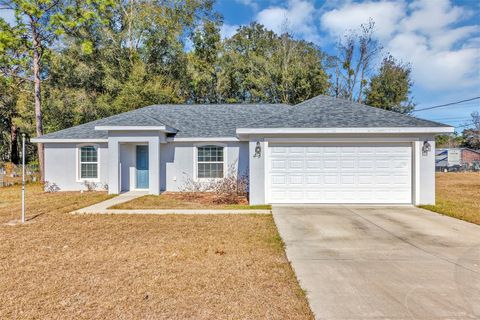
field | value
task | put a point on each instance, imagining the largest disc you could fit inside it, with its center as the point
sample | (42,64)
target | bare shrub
(192,189)
(90,186)
(232,188)
(50,187)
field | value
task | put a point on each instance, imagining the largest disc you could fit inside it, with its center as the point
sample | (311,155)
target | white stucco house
(324,150)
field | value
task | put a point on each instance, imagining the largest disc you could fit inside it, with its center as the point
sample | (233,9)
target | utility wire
(447,104)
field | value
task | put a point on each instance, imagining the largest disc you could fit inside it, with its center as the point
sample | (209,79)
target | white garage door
(356,173)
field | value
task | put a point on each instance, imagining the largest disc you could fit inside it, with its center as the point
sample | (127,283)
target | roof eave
(67,140)
(166,129)
(363,130)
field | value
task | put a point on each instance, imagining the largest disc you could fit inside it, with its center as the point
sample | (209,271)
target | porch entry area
(134,164)
(134,167)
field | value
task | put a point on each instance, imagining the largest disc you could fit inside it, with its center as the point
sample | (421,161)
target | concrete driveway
(383,262)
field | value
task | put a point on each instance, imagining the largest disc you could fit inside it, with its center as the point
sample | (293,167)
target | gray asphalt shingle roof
(329,112)
(222,120)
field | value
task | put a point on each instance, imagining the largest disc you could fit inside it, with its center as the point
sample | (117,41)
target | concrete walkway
(383,262)
(102,207)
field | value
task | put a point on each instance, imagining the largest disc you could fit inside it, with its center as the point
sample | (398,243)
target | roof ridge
(312,98)
(288,110)
(156,119)
(215,104)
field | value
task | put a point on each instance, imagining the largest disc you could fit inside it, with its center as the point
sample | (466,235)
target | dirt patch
(143,267)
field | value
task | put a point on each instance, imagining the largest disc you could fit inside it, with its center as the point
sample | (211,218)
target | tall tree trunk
(337,80)
(362,84)
(14,157)
(37,97)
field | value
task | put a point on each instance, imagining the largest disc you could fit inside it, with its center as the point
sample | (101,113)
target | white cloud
(386,15)
(436,69)
(228,30)
(445,39)
(297,17)
(424,33)
(429,16)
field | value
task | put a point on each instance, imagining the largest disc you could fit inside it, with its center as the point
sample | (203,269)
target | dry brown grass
(38,202)
(185,200)
(458,195)
(63,266)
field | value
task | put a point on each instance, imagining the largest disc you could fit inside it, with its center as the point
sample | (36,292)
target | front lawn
(178,200)
(458,195)
(63,266)
(39,203)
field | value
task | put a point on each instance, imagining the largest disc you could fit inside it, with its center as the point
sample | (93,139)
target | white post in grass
(23,177)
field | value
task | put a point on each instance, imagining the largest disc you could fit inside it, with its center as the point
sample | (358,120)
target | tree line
(67,62)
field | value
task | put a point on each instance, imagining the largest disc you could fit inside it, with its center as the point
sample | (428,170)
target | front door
(142,167)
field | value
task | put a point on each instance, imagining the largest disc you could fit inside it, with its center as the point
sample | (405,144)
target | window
(210,162)
(88,162)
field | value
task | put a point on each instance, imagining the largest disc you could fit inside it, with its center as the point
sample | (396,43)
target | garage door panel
(278,195)
(365,195)
(295,195)
(278,180)
(278,150)
(348,163)
(295,164)
(401,181)
(313,195)
(313,164)
(366,151)
(330,163)
(279,164)
(330,179)
(365,180)
(331,195)
(382,179)
(294,180)
(313,151)
(366,164)
(375,173)
(347,151)
(400,164)
(294,150)
(314,179)
(382,164)
(347,179)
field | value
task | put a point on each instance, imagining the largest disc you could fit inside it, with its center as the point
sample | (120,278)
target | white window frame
(195,159)
(79,162)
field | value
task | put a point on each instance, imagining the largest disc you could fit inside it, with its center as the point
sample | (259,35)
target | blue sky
(440,38)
